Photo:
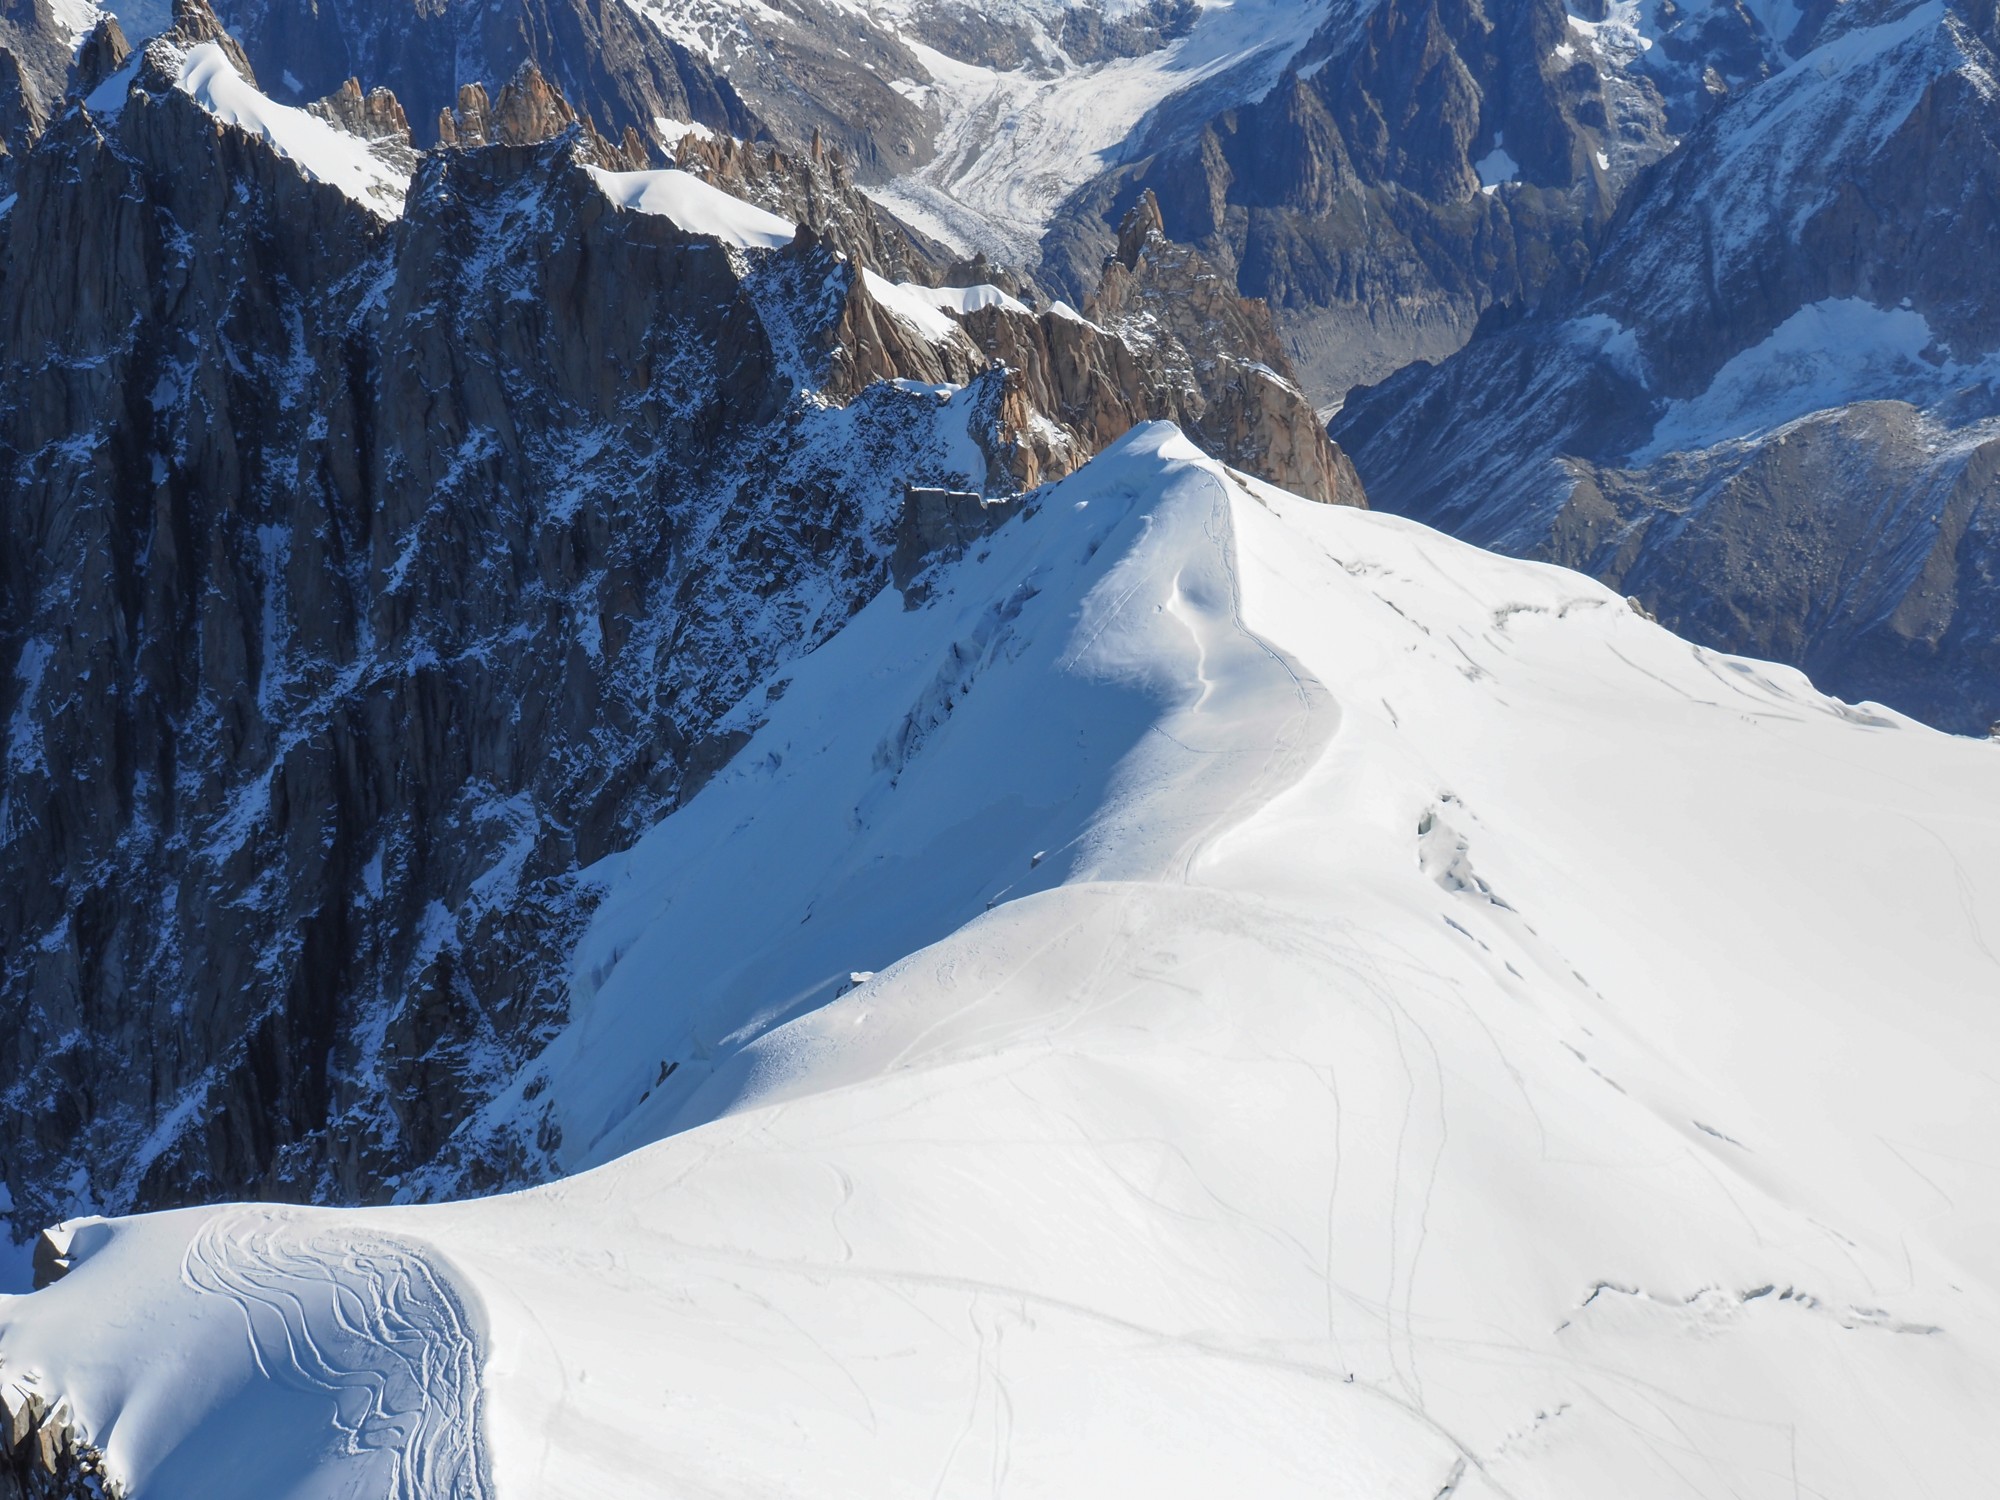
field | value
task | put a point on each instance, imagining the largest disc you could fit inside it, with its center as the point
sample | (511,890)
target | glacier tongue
(1226,996)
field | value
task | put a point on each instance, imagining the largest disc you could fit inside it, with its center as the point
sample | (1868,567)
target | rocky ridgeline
(43,1454)
(375,565)
(816,188)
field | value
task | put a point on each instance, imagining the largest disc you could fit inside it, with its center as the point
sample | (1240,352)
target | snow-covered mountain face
(1224,995)
(387,533)
(546,642)
(1771,411)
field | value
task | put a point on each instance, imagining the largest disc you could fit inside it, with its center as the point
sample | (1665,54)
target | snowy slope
(695,206)
(1230,996)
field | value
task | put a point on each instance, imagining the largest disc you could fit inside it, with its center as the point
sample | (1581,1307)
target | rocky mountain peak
(102,54)
(375,115)
(21,116)
(531,109)
(196,24)
(1141,225)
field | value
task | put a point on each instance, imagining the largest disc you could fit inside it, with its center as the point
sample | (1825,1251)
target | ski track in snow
(374,1322)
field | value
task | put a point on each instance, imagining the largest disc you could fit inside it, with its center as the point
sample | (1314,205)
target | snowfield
(1225,996)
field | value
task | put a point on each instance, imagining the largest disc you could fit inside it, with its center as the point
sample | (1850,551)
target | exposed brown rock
(374,116)
(815,189)
(43,1454)
(1235,390)
(531,110)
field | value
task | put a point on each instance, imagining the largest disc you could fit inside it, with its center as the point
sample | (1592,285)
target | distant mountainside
(1381,171)
(1772,409)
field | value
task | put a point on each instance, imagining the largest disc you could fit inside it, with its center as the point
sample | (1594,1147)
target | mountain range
(845,647)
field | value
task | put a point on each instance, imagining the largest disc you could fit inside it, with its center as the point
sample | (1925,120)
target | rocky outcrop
(938,525)
(1161,343)
(530,110)
(43,1453)
(35,48)
(1241,399)
(816,188)
(375,115)
(1768,410)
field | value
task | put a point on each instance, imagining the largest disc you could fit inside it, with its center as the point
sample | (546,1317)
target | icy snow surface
(697,207)
(1229,997)
(322,151)
(1827,354)
(929,309)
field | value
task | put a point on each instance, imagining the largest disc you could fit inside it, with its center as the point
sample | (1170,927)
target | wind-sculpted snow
(373,1323)
(1210,994)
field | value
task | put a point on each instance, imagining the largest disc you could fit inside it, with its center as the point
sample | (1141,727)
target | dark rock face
(613,66)
(368,575)
(34,68)
(1083,32)
(1768,411)
(1351,197)
(1863,546)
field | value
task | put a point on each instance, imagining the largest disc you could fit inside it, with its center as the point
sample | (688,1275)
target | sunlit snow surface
(696,206)
(324,152)
(1230,997)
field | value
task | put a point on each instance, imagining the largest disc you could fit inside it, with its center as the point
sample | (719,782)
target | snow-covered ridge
(930,309)
(1230,996)
(700,207)
(322,152)
(697,207)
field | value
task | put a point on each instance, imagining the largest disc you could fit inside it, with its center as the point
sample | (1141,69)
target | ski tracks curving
(373,1321)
